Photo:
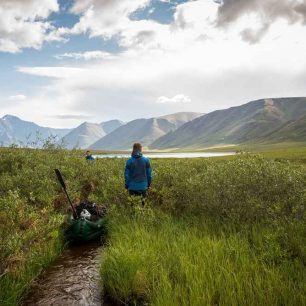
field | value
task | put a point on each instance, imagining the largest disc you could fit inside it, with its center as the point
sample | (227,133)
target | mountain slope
(234,125)
(291,131)
(16,131)
(88,133)
(142,130)
(178,119)
(111,125)
(83,135)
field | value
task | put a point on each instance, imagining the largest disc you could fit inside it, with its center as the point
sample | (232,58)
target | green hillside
(247,123)
(291,131)
(145,131)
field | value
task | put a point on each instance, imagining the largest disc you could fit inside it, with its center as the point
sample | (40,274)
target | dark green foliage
(207,220)
(214,232)
(246,189)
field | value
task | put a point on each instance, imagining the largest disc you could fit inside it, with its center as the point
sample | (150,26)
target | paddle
(61,180)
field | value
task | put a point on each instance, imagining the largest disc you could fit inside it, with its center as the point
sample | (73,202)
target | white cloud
(266,13)
(104,17)
(151,10)
(211,65)
(213,73)
(23,24)
(89,55)
(176,99)
(17,98)
(196,20)
(51,72)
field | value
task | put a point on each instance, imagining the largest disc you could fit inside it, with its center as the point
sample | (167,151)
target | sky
(63,62)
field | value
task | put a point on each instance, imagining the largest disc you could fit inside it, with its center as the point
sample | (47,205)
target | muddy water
(73,279)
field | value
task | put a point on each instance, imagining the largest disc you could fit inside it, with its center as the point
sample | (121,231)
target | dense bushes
(246,189)
(259,202)
(229,232)
(32,208)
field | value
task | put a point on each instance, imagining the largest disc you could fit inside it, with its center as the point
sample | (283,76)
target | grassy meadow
(213,231)
(33,206)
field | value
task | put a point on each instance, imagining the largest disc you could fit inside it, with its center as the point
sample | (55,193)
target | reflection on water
(169,155)
(73,279)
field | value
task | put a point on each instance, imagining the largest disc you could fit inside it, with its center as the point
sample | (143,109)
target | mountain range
(260,121)
(88,133)
(113,134)
(263,120)
(144,131)
(24,133)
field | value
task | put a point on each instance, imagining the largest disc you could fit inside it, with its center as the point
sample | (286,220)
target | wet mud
(73,279)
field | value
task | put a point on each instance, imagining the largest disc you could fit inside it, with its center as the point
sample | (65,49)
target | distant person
(89,156)
(138,173)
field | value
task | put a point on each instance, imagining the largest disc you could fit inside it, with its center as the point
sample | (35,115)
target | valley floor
(217,231)
(214,232)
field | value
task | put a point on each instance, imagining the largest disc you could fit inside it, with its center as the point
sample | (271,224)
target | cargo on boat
(82,229)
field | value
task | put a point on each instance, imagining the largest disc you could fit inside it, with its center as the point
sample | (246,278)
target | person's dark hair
(137,147)
(87,151)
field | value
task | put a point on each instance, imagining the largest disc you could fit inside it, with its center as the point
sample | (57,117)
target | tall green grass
(166,260)
(213,233)
(32,208)
(24,268)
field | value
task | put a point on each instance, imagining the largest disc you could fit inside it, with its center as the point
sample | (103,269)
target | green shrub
(162,252)
(246,189)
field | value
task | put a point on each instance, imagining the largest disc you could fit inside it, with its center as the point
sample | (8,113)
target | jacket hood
(136,154)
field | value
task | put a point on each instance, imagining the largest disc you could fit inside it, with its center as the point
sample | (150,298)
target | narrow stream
(73,279)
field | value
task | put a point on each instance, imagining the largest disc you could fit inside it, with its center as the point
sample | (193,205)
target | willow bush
(241,193)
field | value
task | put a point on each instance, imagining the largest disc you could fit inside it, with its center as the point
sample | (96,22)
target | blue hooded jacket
(138,172)
(89,157)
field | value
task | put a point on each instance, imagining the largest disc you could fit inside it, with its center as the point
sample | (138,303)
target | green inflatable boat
(82,229)
(82,225)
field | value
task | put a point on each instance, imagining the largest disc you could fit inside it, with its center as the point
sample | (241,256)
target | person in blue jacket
(138,173)
(89,156)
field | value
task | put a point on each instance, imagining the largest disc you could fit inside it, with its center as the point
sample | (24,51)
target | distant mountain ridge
(260,121)
(111,125)
(13,130)
(143,130)
(88,133)
(251,122)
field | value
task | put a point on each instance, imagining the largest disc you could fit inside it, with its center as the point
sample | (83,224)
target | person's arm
(127,174)
(149,173)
